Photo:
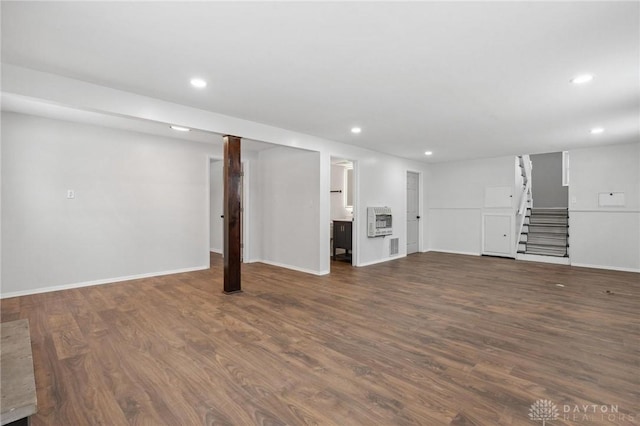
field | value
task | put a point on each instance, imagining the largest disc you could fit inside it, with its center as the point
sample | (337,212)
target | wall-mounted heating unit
(379,221)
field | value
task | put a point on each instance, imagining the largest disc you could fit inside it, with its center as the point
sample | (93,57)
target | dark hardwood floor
(431,339)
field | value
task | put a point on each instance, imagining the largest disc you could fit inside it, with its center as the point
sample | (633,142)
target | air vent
(393,246)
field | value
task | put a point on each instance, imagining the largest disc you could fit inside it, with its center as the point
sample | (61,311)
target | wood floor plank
(431,339)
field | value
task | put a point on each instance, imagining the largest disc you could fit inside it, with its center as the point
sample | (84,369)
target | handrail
(524,197)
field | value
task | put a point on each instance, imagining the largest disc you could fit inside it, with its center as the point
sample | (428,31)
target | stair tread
(545,254)
(533,246)
(545,244)
(549,241)
(534,250)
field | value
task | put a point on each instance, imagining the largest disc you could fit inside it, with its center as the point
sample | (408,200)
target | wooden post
(232,182)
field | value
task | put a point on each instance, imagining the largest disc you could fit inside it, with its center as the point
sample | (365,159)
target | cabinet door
(497,234)
(342,234)
(498,196)
(348,235)
(338,234)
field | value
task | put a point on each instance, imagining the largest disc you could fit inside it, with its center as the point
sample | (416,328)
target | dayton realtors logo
(543,410)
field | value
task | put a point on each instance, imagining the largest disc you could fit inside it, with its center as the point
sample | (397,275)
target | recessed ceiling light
(428,153)
(582,78)
(181,129)
(199,83)
(356,130)
(597,130)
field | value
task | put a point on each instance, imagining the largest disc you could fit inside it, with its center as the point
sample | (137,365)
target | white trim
(457,208)
(612,268)
(602,211)
(467,253)
(565,168)
(355,210)
(215,250)
(294,268)
(100,282)
(381,260)
(543,259)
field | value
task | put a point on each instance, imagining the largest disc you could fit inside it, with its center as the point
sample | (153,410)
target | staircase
(545,232)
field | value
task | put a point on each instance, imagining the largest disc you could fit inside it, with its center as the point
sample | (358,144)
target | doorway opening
(343,206)
(542,218)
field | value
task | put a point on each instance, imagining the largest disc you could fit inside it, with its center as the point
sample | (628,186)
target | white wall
(55,89)
(606,237)
(381,185)
(252,226)
(216,196)
(456,201)
(290,195)
(599,237)
(140,204)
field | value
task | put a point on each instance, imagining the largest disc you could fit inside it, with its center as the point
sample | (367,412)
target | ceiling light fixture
(356,130)
(181,129)
(428,153)
(597,130)
(582,78)
(199,83)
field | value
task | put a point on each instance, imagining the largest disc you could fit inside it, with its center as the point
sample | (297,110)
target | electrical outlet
(574,200)
(71,194)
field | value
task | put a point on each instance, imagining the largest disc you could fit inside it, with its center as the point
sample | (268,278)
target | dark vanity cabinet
(342,238)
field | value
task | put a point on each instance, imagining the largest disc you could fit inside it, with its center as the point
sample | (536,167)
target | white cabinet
(497,233)
(498,196)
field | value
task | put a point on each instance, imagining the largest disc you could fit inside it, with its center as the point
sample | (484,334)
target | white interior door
(413,212)
(497,234)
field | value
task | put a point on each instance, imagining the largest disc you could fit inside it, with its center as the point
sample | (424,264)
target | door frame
(420,211)
(355,231)
(246,239)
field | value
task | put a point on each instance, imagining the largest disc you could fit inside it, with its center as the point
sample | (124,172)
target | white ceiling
(461,79)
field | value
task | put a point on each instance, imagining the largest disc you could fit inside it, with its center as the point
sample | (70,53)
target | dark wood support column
(232,182)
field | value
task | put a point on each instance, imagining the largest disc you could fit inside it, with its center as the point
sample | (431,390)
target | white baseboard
(381,260)
(294,268)
(214,250)
(467,253)
(543,259)
(98,282)
(611,268)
